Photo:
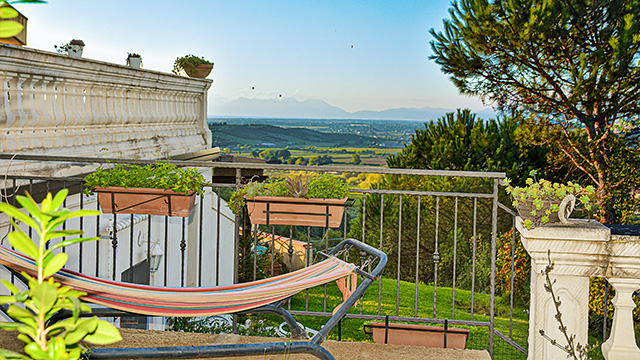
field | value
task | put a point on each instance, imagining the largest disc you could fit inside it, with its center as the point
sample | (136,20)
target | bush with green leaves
(162,175)
(537,192)
(32,309)
(317,186)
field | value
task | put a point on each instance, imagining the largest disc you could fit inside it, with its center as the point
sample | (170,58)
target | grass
(352,329)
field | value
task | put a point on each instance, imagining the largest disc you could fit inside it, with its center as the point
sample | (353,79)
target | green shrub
(162,175)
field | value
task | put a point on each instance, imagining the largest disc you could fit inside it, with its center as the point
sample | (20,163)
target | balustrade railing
(64,105)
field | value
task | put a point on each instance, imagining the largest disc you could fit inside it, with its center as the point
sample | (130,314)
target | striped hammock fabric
(188,301)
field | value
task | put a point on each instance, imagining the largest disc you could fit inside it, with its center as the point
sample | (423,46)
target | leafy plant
(162,175)
(188,64)
(537,193)
(10,28)
(321,186)
(64,48)
(46,297)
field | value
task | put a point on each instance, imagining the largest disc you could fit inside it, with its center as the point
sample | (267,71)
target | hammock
(188,301)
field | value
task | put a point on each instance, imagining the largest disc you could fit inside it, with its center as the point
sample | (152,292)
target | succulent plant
(298,186)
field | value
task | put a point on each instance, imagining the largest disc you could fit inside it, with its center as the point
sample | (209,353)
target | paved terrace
(341,350)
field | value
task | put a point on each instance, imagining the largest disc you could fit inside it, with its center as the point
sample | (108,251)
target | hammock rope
(188,301)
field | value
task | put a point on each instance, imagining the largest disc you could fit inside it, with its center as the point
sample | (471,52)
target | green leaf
(25,338)
(10,286)
(58,221)
(8,13)
(56,234)
(45,205)
(10,326)
(73,241)
(14,212)
(7,299)
(105,333)
(59,198)
(24,244)
(27,333)
(82,328)
(23,315)
(35,351)
(77,306)
(30,205)
(7,354)
(44,296)
(55,264)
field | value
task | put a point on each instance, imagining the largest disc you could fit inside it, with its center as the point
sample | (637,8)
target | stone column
(621,343)
(578,251)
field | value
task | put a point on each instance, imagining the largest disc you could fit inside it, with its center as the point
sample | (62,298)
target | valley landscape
(313,141)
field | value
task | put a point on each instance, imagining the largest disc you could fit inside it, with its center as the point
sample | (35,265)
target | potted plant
(541,201)
(73,48)
(193,66)
(160,189)
(134,60)
(305,201)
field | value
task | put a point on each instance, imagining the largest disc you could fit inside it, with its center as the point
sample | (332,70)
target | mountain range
(319,109)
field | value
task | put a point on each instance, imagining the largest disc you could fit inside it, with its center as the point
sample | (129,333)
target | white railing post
(577,251)
(580,250)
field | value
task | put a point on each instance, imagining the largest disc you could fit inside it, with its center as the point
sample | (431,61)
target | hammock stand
(124,307)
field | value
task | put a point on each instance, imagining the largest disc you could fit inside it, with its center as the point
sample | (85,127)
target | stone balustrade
(59,105)
(579,250)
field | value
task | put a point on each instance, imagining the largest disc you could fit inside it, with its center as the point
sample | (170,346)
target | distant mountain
(318,109)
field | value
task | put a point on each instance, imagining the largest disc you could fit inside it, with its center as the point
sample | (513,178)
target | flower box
(276,210)
(419,335)
(119,200)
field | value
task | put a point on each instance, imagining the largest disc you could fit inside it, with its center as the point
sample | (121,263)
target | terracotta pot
(419,335)
(201,71)
(275,210)
(115,199)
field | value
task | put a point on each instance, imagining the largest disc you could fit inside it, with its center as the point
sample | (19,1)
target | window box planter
(418,335)
(119,200)
(280,210)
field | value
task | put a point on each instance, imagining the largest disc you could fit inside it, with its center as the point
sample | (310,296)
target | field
(313,142)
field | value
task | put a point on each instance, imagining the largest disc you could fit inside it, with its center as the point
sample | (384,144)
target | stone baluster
(8,116)
(621,343)
(110,106)
(74,108)
(33,101)
(15,102)
(44,97)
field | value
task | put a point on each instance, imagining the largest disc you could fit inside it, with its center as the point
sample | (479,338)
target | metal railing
(435,237)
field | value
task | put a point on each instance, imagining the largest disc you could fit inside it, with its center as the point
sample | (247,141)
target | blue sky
(356,55)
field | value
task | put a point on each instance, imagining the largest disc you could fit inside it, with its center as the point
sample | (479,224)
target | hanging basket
(119,200)
(276,210)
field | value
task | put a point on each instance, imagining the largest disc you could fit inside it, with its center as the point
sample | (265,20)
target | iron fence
(440,234)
